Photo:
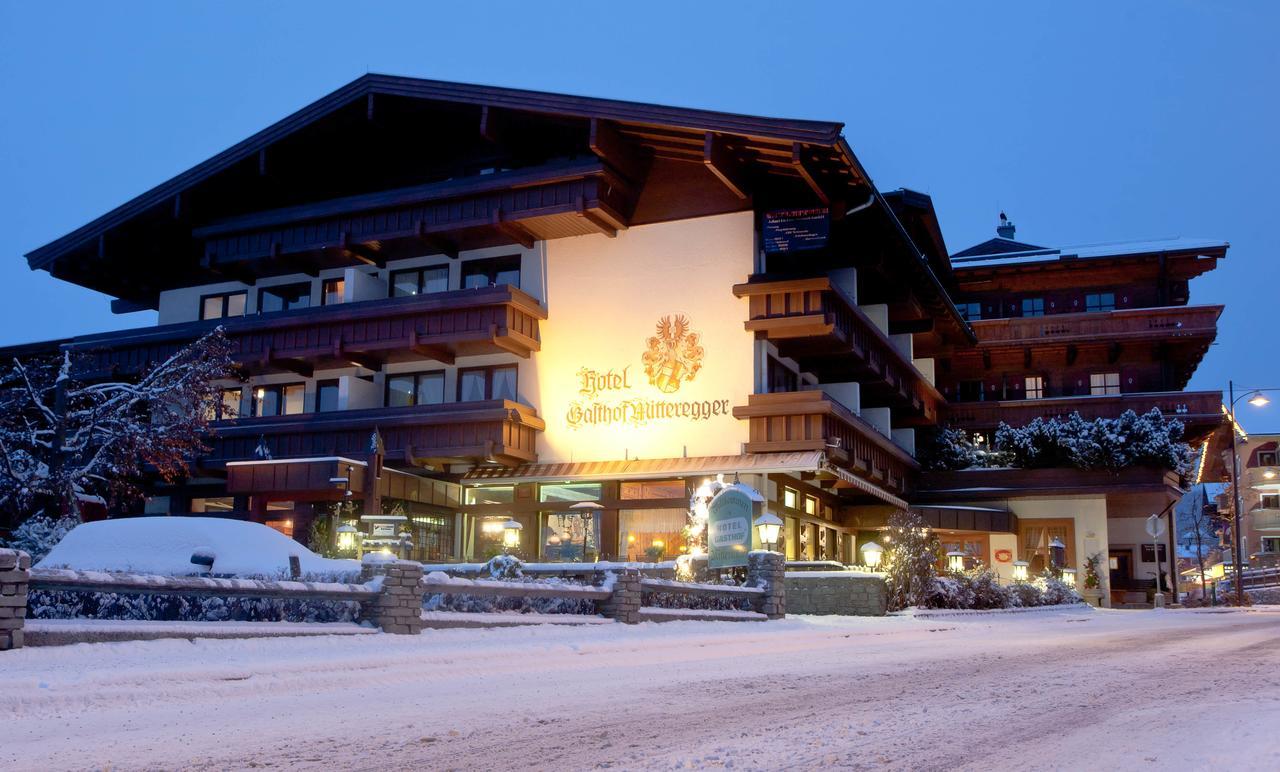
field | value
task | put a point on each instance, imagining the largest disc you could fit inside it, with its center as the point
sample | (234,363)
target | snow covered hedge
(980,589)
(1073,442)
(509,568)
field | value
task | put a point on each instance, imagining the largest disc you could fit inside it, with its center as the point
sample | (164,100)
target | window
(1269,501)
(569,492)
(1033,387)
(326,396)
(216,504)
(790,498)
(1266,458)
(480,383)
(223,305)
(228,406)
(780,377)
(285,297)
(493,272)
(969,391)
(415,389)
(1100,301)
(1104,383)
(280,399)
(419,281)
(1271,544)
(1033,306)
(333,292)
(969,311)
(1149,554)
(810,505)
(648,535)
(652,489)
(498,494)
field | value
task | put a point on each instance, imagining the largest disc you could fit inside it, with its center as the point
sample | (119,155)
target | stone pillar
(624,604)
(15,573)
(767,570)
(398,607)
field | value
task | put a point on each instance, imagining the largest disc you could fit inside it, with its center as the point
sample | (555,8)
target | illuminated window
(1104,383)
(333,292)
(810,505)
(419,281)
(279,399)
(1034,387)
(790,498)
(501,494)
(652,489)
(415,389)
(569,492)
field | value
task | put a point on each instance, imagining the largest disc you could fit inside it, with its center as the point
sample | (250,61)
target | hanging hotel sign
(793,230)
(672,357)
(729,528)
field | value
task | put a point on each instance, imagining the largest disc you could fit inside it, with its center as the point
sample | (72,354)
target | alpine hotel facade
(480,304)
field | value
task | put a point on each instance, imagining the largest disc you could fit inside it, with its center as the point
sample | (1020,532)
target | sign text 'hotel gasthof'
(673,356)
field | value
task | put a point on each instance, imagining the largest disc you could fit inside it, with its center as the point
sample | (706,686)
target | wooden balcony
(815,323)
(1003,484)
(496,431)
(440,326)
(1168,323)
(810,420)
(1199,411)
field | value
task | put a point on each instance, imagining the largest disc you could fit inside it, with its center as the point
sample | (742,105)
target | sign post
(1155,529)
(729,528)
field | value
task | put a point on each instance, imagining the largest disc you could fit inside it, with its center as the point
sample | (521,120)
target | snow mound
(164,545)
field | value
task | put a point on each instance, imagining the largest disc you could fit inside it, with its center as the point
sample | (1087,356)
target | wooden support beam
(596,221)
(436,241)
(437,352)
(357,358)
(229,272)
(610,146)
(513,230)
(498,337)
(294,263)
(720,161)
(807,173)
(362,252)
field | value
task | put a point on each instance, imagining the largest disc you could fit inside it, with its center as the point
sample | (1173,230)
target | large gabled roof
(1000,246)
(1000,251)
(806,132)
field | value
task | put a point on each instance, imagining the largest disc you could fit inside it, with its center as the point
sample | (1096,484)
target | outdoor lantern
(347,537)
(1057,552)
(1020,570)
(1069,577)
(955,560)
(511,534)
(1259,400)
(768,526)
(871,554)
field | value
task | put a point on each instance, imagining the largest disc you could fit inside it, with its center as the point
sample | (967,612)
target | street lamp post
(1257,398)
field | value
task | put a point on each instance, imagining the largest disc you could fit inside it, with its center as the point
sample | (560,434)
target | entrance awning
(850,480)
(650,468)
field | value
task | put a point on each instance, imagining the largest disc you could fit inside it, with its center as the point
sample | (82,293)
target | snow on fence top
(151,584)
(164,545)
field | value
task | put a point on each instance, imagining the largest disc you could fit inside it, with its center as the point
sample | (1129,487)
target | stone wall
(398,608)
(829,592)
(766,570)
(15,572)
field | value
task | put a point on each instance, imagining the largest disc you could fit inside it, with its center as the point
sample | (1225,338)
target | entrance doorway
(1121,564)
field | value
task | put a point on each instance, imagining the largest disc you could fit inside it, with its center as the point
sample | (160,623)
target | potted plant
(1092,580)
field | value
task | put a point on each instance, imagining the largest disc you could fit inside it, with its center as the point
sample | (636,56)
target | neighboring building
(1259,494)
(1096,330)
(479,304)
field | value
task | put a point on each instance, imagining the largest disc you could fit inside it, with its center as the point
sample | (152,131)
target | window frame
(1106,387)
(1035,312)
(420,283)
(1040,390)
(305,286)
(416,375)
(492,267)
(488,371)
(281,399)
(1271,454)
(225,297)
(970,312)
(335,383)
(1272,498)
(1095,299)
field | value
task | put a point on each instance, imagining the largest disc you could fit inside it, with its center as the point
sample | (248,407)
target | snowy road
(1066,690)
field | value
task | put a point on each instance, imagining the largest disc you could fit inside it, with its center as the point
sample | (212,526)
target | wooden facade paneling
(815,323)
(810,420)
(1168,323)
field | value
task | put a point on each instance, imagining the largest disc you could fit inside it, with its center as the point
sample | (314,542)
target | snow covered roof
(1000,251)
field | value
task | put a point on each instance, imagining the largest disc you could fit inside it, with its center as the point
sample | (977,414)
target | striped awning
(650,468)
(866,486)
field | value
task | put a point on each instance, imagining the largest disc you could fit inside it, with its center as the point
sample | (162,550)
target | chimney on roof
(1005,229)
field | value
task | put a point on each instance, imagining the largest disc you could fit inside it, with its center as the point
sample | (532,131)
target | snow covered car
(165,545)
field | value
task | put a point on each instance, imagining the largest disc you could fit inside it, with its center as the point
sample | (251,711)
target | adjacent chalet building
(479,304)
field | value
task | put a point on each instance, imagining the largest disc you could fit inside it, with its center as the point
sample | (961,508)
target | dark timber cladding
(387,167)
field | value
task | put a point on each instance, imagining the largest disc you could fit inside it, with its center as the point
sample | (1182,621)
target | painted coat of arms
(673,355)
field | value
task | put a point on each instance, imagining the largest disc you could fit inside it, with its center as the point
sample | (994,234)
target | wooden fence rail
(58,579)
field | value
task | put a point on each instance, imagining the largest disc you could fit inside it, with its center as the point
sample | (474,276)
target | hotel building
(479,304)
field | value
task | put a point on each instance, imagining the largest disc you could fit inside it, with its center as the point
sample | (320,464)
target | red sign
(1004,556)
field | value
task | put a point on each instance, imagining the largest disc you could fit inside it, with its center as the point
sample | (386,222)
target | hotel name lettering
(603,400)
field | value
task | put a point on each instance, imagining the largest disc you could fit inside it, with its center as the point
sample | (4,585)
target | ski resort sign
(729,528)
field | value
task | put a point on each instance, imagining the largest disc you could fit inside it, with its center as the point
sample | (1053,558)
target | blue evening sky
(1087,122)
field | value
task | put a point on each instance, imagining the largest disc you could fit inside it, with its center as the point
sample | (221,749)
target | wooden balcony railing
(1110,326)
(439,326)
(810,420)
(1200,411)
(498,431)
(814,322)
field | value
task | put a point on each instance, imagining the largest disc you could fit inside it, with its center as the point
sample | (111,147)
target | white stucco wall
(1091,524)
(604,299)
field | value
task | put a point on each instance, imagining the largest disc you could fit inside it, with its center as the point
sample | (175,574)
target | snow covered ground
(1071,689)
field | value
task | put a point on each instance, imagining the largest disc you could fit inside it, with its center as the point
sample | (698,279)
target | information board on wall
(729,529)
(793,230)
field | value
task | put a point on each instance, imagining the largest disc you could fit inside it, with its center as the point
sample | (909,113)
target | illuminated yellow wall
(607,384)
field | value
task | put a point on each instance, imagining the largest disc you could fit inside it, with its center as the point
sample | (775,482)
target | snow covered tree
(39,534)
(909,559)
(62,438)
(949,449)
(1104,443)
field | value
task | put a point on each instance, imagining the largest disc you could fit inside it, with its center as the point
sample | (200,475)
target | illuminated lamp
(1020,570)
(871,554)
(347,536)
(1069,577)
(511,534)
(955,560)
(768,526)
